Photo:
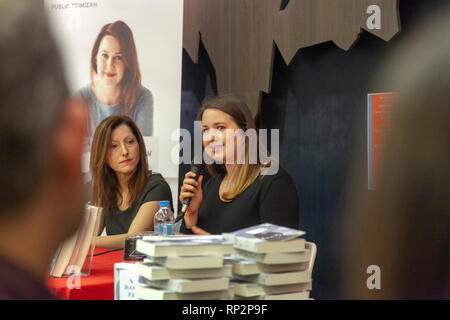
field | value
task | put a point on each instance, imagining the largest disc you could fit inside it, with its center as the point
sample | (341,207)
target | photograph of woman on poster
(115,87)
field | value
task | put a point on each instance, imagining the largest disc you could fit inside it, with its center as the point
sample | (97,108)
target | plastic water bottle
(164,222)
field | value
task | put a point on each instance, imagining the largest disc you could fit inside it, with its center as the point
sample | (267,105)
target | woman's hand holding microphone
(191,189)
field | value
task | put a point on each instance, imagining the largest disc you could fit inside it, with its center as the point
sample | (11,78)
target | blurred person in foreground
(403,226)
(41,138)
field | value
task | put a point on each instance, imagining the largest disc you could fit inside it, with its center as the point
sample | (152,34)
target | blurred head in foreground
(402,228)
(41,137)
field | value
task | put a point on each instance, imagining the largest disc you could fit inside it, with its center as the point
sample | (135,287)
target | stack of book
(183,267)
(270,262)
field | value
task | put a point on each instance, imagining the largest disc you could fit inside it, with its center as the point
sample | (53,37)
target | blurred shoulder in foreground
(403,226)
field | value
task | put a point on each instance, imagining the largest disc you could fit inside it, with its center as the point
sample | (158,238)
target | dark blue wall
(319,104)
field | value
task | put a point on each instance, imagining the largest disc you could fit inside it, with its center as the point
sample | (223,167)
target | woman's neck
(123,181)
(107,94)
(232,171)
(123,196)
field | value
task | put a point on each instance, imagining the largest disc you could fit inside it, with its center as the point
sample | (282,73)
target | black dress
(156,189)
(270,198)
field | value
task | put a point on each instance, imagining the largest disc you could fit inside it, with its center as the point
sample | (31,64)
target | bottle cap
(164,203)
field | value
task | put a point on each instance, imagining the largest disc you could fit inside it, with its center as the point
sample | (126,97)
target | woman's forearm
(111,242)
(190,219)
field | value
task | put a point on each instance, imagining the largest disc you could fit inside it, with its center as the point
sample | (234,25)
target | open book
(74,256)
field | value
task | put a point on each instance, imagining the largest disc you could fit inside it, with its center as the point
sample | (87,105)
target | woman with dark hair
(242,192)
(116,80)
(122,185)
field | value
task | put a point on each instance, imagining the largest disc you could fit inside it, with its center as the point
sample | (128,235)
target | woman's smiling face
(216,125)
(110,63)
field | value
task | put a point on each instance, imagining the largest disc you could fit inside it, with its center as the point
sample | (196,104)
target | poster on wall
(124,57)
(379,113)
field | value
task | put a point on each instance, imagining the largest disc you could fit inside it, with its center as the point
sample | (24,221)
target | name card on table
(125,279)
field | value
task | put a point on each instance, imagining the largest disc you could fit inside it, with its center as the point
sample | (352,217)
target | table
(99,285)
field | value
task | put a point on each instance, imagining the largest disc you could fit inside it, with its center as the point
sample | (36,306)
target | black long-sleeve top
(270,198)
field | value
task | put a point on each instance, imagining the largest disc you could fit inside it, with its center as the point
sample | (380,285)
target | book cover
(268,232)
(267,238)
(379,113)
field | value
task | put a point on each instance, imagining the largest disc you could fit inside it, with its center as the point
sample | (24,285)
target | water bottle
(164,222)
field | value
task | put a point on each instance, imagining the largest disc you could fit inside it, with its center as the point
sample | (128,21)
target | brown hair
(130,85)
(105,183)
(242,116)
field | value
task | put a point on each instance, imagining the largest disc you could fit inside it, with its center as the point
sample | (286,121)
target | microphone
(196,168)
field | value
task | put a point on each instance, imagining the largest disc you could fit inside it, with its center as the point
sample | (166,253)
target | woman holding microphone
(241,192)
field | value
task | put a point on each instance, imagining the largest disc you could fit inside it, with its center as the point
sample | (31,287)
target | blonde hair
(241,115)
